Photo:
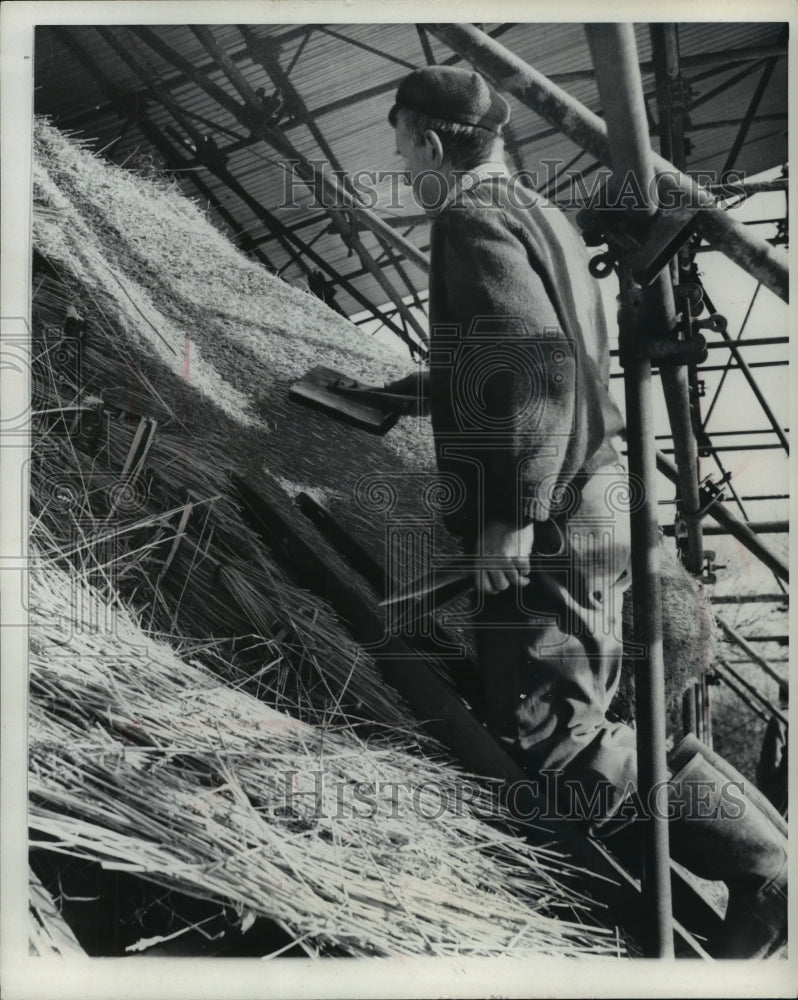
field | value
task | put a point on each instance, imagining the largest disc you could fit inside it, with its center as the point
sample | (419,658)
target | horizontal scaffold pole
(510,73)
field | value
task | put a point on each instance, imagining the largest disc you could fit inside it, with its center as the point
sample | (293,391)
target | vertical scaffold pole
(614,52)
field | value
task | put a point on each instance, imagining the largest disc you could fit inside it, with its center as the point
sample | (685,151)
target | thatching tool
(442,584)
(365,406)
(428,592)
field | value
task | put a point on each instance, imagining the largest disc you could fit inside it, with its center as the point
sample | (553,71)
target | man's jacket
(518,384)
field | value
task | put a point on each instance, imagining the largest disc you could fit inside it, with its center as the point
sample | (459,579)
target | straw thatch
(156,521)
(166,760)
(147,762)
(216,581)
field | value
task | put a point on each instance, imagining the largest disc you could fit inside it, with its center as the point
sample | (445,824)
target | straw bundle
(145,761)
(690,638)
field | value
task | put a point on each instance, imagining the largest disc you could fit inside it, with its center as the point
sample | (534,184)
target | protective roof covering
(115,85)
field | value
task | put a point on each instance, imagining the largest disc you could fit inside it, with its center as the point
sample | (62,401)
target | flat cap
(454,94)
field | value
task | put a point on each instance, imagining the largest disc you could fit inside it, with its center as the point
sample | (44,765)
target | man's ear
(434,146)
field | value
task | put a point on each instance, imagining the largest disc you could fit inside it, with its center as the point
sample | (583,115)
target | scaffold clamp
(711,493)
(644,243)
(680,346)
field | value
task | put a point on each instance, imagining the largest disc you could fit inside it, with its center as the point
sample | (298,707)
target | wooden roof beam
(423,37)
(124,43)
(719,60)
(198,74)
(367,48)
(248,115)
(214,164)
(251,115)
(750,115)
(407,222)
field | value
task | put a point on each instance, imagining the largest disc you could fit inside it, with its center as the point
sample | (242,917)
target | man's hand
(506,550)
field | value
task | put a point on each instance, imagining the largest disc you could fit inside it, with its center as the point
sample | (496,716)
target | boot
(724,829)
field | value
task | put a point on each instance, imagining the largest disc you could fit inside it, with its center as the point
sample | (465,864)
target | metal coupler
(681,346)
(644,243)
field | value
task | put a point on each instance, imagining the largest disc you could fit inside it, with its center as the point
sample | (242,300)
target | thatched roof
(49,934)
(154,314)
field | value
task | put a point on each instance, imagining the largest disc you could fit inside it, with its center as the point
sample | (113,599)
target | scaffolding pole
(615,63)
(724,669)
(734,636)
(736,528)
(682,404)
(510,73)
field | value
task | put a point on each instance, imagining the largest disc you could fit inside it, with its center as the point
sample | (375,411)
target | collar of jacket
(470,179)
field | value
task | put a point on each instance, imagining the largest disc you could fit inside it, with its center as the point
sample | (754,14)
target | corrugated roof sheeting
(333,73)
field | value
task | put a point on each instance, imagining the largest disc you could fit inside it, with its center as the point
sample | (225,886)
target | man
(523,422)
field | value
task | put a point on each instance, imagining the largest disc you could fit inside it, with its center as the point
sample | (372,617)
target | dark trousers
(550,653)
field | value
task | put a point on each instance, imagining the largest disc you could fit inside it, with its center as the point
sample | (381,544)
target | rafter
(750,116)
(691,127)
(423,37)
(123,42)
(406,222)
(366,47)
(300,249)
(199,74)
(721,60)
(299,50)
(726,85)
(320,184)
(124,45)
(263,52)
(251,116)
